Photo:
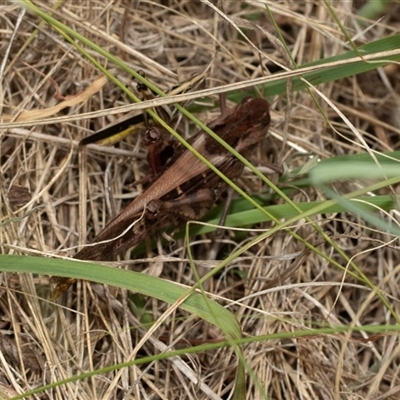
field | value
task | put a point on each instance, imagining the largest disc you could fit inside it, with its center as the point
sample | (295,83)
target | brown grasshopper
(186,188)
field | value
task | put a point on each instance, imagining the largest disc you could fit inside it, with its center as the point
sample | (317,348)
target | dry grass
(279,289)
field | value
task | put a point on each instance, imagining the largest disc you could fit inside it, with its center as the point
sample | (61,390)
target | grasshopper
(186,188)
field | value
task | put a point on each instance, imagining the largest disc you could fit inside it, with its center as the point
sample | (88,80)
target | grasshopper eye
(151,136)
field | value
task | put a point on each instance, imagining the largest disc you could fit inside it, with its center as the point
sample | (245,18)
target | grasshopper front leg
(193,206)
